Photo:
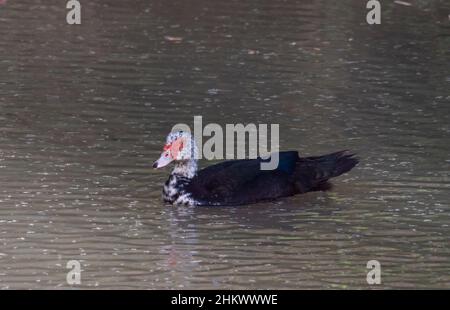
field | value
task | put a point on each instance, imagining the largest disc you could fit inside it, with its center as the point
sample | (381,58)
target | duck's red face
(171,151)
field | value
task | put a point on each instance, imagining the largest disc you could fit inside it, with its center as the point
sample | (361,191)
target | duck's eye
(167,155)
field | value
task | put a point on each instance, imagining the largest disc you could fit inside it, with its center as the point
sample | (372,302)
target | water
(84,111)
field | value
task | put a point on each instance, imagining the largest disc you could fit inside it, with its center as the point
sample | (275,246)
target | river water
(84,110)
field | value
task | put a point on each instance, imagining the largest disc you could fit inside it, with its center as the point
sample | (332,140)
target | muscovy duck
(240,182)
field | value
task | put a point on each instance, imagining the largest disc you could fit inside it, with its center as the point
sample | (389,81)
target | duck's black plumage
(237,182)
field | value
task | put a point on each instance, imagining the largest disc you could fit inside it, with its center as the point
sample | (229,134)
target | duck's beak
(163,160)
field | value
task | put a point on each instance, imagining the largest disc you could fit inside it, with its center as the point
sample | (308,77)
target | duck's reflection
(215,241)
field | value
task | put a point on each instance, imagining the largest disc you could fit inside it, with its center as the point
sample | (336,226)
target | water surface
(84,111)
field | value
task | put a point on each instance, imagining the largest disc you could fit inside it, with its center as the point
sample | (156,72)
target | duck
(242,181)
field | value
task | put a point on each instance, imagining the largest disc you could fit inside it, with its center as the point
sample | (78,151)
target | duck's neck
(185,168)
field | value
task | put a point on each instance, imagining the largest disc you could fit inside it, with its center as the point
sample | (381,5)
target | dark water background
(84,111)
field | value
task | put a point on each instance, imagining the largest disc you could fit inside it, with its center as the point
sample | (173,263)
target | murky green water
(84,111)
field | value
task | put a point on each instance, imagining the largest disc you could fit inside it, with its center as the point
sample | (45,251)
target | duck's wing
(286,163)
(242,180)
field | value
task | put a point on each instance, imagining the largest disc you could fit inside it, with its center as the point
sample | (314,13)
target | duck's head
(180,146)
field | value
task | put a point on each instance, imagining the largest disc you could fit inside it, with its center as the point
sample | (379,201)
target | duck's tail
(335,164)
(312,173)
